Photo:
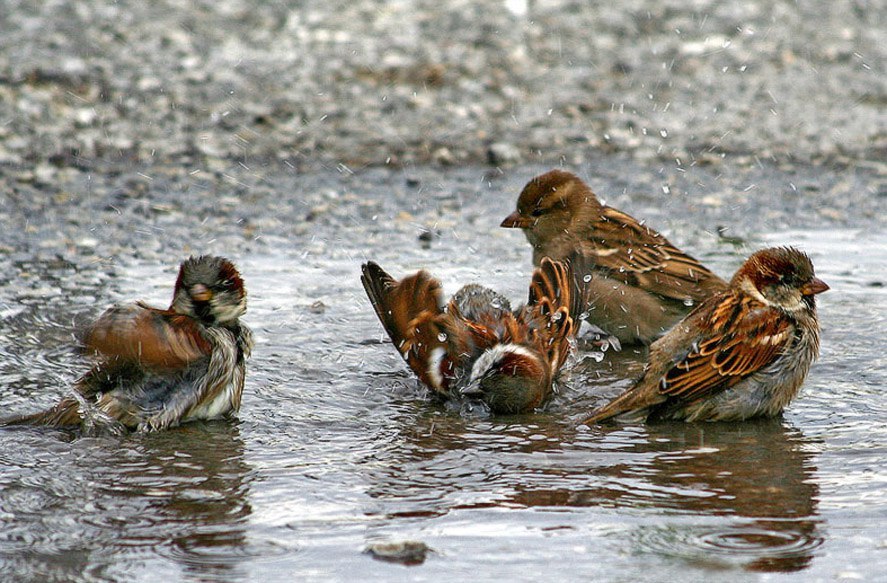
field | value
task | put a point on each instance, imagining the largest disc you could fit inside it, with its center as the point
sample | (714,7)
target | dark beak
(516,221)
(814,286)
(200,293)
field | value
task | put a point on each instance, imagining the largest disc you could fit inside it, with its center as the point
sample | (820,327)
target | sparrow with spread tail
(742,353)
(642,284)
(158,368)
(476,346)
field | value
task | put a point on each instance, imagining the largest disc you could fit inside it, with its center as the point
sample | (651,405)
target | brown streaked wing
(152,338)
(410,312)
(634,252)
(398,303)
(729,351)
(552,308)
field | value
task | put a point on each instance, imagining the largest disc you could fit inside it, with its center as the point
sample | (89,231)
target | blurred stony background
(414,81)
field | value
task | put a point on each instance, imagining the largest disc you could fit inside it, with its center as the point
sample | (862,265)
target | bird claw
(598,339)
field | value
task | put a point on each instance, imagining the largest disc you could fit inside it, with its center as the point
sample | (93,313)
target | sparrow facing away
(476,346)
(642,284)
(742,353)
(157,368)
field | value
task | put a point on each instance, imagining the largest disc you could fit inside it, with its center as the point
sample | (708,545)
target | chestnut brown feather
(157,368)
(519,352)
(740,354)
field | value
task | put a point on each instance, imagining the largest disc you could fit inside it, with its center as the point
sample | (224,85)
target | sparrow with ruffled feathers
(642,284)
(475,346)
(157,368)
(742,353)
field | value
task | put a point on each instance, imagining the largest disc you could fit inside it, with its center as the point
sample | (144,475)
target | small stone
(503,154)
(406,552)
(444,157)
(317,307)
(425,239)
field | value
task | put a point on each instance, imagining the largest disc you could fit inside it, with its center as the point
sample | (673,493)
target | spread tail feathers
(65,414)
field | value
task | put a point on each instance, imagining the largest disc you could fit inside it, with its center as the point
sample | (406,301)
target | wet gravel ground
(417,81)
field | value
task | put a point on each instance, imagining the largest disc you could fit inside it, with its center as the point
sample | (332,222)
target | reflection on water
(758,474)
(92,504)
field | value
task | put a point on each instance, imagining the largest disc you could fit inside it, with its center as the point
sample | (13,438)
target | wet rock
(425,239)
(444,157)
(503,154)
(405,552)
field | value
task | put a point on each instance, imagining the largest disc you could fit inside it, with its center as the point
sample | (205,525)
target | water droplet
(663,133)
(587,278)
(688,302)
(442,337)
(496,303)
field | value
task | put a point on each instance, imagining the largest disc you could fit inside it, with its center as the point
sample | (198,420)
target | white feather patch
(434,361)
(486,360)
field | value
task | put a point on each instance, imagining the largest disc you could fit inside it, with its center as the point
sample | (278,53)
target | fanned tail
(64,414)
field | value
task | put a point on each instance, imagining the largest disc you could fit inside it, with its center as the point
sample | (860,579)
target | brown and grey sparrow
(475,346)
(158,368)
(742,353)
(641,284)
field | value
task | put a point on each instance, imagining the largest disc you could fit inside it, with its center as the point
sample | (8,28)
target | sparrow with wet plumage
(740,354)
(158,368)
(476,346)
(641,283)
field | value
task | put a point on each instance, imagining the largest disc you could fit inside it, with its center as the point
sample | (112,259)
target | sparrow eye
(537,212)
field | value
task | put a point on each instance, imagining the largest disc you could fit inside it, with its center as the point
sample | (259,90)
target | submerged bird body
(476,346)
(641,284)
(157,368)
(743,353)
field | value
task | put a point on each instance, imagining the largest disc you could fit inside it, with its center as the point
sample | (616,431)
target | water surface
(338,448)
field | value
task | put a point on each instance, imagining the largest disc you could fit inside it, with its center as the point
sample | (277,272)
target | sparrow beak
(516,221)
(200,293)
(813,287)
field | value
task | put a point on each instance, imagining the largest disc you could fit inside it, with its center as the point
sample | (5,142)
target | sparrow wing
(640,256)
(719,344)
(155,339)
(738,340)
(552,310)
(411,313)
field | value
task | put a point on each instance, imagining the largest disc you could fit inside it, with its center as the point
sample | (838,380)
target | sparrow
(476,346)
(157,368)
(641,284)
(742,353)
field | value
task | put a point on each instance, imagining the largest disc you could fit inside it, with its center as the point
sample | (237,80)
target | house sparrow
(742,353)
(642,284)
(158,368)
(476,346)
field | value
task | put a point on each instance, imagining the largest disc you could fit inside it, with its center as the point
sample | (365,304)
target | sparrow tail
(65,414)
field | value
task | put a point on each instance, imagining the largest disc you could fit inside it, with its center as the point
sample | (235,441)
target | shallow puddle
(338,448)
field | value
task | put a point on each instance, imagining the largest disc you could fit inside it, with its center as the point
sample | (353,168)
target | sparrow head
(781,277)
(509,378)
(549,203)
(209,288)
